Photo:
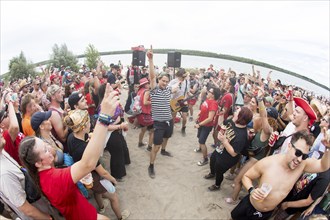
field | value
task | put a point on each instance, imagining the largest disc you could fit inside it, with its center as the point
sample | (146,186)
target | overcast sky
(290,34)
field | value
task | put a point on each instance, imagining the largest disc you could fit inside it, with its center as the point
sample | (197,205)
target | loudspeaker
(139,58)
(174,59)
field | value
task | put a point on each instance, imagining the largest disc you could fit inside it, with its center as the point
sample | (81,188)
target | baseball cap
(38,117)
(272,112)
(74,99)
(52,90)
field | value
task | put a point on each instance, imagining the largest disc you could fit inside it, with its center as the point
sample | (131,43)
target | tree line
(19,67)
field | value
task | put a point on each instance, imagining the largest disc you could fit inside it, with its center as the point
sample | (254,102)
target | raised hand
(110,101)
(150,53)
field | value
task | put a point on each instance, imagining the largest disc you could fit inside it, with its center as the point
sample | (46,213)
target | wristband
(250,190)
(105,119)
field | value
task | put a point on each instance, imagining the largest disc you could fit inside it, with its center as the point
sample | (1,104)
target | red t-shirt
(208,105)
(78,86)
(63,194)
(12,148)
(89,100)
(226,102)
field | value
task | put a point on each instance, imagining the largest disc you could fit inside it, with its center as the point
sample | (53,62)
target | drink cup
(266,188)
(275,137)
(87,181)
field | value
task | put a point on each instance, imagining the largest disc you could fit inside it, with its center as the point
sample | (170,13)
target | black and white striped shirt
(160,104)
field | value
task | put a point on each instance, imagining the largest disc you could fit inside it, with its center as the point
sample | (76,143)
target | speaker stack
(174,59)
(139,56)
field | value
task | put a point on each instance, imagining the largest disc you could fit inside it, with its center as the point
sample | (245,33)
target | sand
(179,190)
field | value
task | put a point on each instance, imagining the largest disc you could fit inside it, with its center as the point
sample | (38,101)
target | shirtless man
(281,172)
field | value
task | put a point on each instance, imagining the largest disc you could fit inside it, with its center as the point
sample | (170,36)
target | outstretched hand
(150,53)
(110,101)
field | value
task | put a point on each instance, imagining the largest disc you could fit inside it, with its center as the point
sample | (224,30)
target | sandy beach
(179,190)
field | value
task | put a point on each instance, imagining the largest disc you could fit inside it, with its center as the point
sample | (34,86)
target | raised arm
(13,122)
(266,128)
(96,144)
(317,166)
(150,55)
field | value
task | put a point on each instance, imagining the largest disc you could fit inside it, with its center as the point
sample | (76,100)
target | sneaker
(197,150)
(183,131)
(191,118)
(203,162)
(214,188)
(151,172)
(149,148)
(106,203)
(141,144)
(125,214)
(165,153)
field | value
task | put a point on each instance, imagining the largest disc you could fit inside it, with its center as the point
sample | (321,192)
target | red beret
(307,108)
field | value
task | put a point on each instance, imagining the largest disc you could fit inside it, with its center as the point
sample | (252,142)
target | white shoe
(125,214)
(106,203)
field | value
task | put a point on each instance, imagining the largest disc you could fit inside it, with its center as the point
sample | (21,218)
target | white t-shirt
(182,90)
(12,183)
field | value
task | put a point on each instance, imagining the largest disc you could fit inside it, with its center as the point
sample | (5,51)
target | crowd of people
(57,129)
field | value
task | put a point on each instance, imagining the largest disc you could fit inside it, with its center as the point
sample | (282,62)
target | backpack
(135,106)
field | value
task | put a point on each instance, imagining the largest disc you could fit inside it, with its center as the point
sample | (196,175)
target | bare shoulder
(270,160)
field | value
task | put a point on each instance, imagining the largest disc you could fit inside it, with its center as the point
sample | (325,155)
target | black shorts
(245,211)
(202,134)
(162,130)
(183,109)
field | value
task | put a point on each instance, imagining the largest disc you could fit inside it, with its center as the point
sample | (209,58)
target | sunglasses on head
(299,153)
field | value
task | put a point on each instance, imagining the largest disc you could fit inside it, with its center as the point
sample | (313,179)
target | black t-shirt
(238,139)
(111,78)
(314,184)
(76,148)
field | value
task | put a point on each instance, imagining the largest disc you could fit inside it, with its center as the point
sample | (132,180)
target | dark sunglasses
(299,153)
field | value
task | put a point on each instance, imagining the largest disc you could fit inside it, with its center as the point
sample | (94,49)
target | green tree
(20,68)
(92,56)
(62,56)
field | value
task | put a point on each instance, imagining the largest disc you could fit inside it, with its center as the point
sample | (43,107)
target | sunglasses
(299,153)
(210,92)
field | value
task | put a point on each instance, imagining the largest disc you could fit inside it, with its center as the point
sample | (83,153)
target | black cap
(272,112)
(38,117)
(74,99)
